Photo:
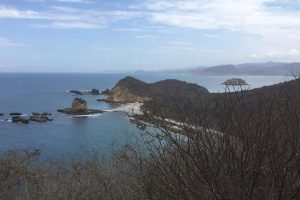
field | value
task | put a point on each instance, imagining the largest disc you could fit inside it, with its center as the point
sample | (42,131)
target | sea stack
(79,107)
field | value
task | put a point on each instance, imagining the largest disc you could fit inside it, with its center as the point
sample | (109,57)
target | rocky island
(92,92)
(44,117)
(36,117)
(79,107)
(235,81)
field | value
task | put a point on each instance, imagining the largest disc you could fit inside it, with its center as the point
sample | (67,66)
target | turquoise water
(27,93)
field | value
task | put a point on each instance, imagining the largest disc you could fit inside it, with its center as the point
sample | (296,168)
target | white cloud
(71,25)
(67,17)
(36,1)
(7,43)
(247,16)
(281,54)
(152,37)
(288,54)
(9,12)
(74,1)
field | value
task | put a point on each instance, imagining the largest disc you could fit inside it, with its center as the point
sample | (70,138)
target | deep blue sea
(65,136)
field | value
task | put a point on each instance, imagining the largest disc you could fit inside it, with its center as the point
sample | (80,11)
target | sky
(129,35)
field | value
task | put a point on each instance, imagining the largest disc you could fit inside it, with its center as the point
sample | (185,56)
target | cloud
(67,17)
(247,16)
(7,43)
(152,37)
(289,54)
(257,17)
(10,12)
(74,1)
(71,25)
(36,1)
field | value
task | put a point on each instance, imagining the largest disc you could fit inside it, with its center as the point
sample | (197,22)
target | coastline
(130,108)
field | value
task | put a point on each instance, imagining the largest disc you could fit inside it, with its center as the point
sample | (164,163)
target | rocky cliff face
(121,94)
(129,90)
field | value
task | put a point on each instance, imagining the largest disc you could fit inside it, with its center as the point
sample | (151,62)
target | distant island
(235,81)
(253,69)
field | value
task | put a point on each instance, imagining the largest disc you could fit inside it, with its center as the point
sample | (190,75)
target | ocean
(68,136)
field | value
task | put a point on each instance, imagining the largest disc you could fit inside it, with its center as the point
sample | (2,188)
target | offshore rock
(79,107)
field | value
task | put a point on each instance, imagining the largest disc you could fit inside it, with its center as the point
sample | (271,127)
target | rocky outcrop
(92,92)
(35,114)
(129,90)
(15,114)
(235,81)
(44,117)
(79,107)
(76,92)
(95,92)
(19,119)
(105,92)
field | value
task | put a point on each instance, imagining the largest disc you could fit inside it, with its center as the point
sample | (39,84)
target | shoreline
(130,108)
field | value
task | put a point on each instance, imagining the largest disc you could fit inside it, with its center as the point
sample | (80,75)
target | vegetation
(243,148)
(235,81)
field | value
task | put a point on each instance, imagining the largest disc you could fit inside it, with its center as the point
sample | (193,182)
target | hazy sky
(113,35)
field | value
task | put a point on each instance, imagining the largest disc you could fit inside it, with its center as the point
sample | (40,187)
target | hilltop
(130,90)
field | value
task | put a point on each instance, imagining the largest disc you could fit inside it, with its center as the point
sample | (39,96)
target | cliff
(129,90)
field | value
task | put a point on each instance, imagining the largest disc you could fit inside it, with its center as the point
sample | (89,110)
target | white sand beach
(131,108)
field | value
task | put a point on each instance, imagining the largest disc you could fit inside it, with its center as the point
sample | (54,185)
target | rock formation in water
(95,92)
(20,119)
(15,114)
(76,92)
(44,117)
(79,107)
(235,81)
(105,92)
(92,92)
